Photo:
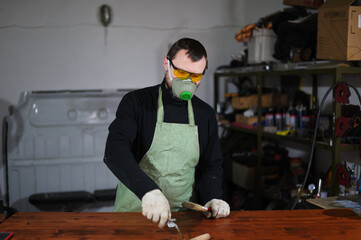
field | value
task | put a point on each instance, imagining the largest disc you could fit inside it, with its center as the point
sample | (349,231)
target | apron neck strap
(160,111)
(190,114)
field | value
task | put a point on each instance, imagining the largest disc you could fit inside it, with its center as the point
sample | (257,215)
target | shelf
(245,130)
(253,71)
(295,139)
(334,71)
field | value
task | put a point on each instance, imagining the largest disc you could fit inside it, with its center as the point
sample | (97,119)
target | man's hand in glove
(219,209)
(155,207)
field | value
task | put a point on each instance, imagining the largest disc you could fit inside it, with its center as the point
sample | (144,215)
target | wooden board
(276,224)
(352,202)
(326,203)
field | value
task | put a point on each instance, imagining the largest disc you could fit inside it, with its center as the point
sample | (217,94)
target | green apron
(170,162)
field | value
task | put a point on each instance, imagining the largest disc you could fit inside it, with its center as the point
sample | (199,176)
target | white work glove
(219,209)
(155,207)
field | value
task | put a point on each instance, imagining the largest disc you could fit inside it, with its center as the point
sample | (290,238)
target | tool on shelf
(342,93)
(342,126)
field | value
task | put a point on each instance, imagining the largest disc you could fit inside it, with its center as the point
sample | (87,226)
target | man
(163,145)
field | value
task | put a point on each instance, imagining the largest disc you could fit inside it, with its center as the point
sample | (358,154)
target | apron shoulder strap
(190,114)
(160,111)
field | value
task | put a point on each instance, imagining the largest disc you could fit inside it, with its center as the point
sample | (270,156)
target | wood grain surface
(276,224)
(2,217)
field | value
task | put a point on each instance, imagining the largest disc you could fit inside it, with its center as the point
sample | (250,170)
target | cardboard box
(304,3)
(244,102)
(339,31)
(268,100)
(246,120)
(274,100)
(245,176)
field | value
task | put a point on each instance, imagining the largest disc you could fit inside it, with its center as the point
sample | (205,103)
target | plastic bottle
(270,122)
(284,114)
(298,109)
(288,117)
(293,118)
(305,118)
(353,188)
(278,119)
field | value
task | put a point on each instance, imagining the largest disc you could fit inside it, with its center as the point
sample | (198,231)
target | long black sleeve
(131,134)
(119,157)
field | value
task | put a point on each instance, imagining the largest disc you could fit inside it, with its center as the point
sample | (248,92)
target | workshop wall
(61,44)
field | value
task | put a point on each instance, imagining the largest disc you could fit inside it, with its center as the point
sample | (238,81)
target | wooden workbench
(276,224)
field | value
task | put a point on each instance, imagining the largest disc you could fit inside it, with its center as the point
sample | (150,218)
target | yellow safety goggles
(183,75)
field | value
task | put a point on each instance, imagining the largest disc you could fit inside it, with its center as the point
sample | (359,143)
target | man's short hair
(195,49)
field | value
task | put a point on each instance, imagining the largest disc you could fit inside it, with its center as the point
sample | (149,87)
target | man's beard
(169,89)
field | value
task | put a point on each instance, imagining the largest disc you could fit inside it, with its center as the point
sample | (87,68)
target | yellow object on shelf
(286,133)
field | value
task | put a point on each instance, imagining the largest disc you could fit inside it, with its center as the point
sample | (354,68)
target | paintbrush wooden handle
(205,236)
(195,207)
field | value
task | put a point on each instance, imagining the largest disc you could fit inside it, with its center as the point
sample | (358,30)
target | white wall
(60,44)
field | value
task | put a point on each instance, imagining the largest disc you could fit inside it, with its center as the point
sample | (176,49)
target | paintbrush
(195,207)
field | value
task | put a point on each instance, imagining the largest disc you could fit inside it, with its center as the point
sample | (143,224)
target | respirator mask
(183,86)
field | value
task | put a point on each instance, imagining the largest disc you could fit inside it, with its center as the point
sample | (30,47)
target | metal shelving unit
(335,72)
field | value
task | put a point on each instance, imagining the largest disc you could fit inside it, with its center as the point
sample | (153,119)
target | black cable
(315,135)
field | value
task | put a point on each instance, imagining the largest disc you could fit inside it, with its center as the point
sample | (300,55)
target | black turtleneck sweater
(131,134)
